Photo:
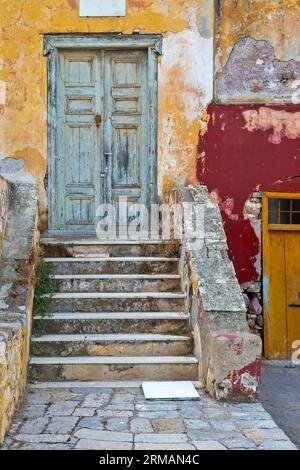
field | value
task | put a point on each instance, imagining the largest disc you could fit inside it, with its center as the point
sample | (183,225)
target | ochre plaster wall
(185,77)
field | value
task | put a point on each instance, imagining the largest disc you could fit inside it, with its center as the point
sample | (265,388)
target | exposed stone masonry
(19,244)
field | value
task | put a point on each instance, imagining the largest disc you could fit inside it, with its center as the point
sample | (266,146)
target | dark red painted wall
(238,162)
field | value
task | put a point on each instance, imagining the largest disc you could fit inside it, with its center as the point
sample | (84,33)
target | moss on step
(45,285)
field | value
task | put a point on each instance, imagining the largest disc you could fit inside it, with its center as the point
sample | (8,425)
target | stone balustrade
(229,355)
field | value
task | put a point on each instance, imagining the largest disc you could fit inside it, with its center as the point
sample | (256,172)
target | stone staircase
(118,314)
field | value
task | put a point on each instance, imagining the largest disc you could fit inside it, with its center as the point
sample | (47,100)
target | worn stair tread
(118,259)
(86,384)
(116,277)
(115,295)
(95,241)
(114,360)
(109,337)
(115,316)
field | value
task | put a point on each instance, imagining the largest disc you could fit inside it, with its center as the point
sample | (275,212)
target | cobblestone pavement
(107,419)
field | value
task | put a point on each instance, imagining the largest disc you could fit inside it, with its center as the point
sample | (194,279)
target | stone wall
(4,195)
(229,355)
(19,249)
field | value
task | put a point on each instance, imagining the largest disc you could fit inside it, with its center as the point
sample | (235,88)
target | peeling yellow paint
(275,20)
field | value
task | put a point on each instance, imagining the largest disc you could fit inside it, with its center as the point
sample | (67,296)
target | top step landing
(54,247)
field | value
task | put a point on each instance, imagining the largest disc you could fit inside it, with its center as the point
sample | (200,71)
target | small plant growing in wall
(45,287)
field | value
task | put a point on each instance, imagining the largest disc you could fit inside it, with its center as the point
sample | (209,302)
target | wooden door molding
(152,43)
(269,231)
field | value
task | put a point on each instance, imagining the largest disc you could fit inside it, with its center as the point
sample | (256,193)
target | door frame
(52,44)
(266,229)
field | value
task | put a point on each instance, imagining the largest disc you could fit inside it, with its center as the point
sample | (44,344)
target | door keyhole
(98,120)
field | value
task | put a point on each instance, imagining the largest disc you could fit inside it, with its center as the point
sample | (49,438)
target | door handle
(294,305)
(98,120)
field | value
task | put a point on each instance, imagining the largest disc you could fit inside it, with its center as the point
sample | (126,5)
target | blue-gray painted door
(102,134)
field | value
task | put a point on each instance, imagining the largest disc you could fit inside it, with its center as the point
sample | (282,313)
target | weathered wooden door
(102,135)
(282,275)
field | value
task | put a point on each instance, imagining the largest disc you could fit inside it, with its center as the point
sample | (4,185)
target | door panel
(125,124)
(277,322)
(292,256)
(77,181)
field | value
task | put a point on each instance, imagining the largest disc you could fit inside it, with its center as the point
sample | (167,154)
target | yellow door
(292,263)
(276,343)
(281,277)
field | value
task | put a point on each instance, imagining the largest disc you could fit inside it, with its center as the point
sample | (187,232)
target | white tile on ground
(170,391)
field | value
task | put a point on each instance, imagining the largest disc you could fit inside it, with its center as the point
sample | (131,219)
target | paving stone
(104,435)
(277,445)
(215,413)
(96,400)
(39,398)
(62,425)
(166,446)
(223,425)
(114,413)
(117,424)
(241,416)
(160,438)
(192,413)
(238,443)
(89,444)
(65,396)
(36,438)
(266,434)
(122,398)
(92,423)
(82,412)
(159,414)
(247,407)
(156,406)
(34,426)
(208,445)
(265,424)
(168,425)
(120,407)
(62,408)
(141,425)
(199,435)
(196,424)
(34,411)
(44,447)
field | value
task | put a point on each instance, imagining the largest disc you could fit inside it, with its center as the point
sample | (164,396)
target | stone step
(137,344)
(114,265)
(118,302)
(117,283)
(116,322)
(71,247)
(113,368)
(77,384)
